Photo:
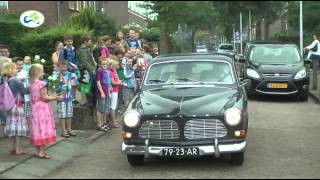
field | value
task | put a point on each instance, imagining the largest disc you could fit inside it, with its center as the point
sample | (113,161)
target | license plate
(278,85)
(181,152)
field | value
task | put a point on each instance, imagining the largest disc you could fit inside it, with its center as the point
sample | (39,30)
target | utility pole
(301,29)
(250,31)
(234,37)
(241,33)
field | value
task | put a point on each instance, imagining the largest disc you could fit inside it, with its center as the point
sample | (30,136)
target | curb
(314,97)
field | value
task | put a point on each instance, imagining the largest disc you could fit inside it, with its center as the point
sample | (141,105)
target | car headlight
(301,74)
(232,116)
(253,73)
(131,119)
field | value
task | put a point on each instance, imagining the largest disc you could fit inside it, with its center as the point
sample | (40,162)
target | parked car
(275,69)
(226,48)
(189,105)
(201,49)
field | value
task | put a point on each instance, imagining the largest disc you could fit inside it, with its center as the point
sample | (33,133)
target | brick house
(57,11)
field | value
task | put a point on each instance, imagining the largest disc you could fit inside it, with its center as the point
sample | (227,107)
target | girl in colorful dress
(43,129)
(16,123)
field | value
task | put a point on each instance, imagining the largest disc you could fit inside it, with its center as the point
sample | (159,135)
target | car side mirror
(307,61)
(245,82)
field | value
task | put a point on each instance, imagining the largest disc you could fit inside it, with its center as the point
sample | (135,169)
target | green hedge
(10,30)
(42,44)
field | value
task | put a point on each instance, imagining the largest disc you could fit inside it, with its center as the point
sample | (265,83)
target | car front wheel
(303,96)
(237,158)
(135,160)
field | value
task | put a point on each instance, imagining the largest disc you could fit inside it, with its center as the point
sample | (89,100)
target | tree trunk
(165,39)
(258,30)
(193,34)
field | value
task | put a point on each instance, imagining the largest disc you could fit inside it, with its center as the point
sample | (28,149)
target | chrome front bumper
(216,149)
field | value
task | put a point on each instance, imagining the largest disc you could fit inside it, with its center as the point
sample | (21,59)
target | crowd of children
(107,77)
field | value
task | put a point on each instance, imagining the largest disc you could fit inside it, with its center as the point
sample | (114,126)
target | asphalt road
(283,142)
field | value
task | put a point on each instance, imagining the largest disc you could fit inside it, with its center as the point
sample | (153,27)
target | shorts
(114,101)
(103,105)
(65,109)
(86,88)
(128,94)
(27,109)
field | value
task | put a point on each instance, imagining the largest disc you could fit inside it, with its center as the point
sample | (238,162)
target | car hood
(278,68)
(185,101)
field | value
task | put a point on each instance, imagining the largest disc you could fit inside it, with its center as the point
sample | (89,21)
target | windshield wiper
(189,80)
(156,80)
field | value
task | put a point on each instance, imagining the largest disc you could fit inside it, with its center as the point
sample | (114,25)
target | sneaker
(75,102)
(115,125)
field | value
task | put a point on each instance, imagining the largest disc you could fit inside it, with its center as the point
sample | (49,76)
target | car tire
(135,160)
(303,96)
(237,158)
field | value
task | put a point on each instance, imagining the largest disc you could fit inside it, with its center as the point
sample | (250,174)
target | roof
(137,14)
(195,56)
(270,42)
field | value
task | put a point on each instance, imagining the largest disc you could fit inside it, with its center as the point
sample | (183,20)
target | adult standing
(56,55)
(132,41)
(121,41)
(314,56)
(5,51)
(137,36)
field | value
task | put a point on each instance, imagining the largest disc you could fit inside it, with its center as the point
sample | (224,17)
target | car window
(226,47)
(274,54)
(190,72)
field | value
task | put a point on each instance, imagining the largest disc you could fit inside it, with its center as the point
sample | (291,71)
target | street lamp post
(301,29)
(234,36)
(241,33)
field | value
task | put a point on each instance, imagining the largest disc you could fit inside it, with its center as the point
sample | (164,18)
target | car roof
(271,42)
(195,56)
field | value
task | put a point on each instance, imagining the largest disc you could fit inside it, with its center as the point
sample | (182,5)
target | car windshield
(226,47)
(189,72)
(275,54)
(201,47)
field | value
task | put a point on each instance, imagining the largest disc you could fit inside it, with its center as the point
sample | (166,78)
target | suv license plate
(278,85)
(181,152)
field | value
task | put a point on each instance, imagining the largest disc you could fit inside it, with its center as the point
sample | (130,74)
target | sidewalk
(315,94)
(28,166)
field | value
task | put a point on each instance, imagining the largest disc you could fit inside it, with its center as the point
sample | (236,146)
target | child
(27,63)
(87,64)
(42,131)
(65,106)
(23,75)
(69,53)
(120,55)
(129,80)
(16,124)
(103,94)
(114,65)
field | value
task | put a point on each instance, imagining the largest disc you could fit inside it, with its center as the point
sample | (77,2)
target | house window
(4,5)
(72,5)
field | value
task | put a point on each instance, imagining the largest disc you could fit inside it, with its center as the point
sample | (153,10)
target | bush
(100,24)
(10,29)
(42,44)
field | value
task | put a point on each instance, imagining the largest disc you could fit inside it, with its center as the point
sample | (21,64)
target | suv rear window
(274,54)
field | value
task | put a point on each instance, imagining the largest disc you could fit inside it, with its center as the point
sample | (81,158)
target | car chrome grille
(277,75)
(159,129)
(204,129)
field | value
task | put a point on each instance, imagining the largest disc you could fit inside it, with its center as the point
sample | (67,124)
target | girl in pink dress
(42,130)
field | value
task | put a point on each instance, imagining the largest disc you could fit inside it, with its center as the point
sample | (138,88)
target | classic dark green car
(189,105)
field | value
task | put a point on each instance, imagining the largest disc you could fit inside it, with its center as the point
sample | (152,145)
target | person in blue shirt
(132,41)
(69,53)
